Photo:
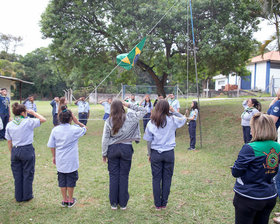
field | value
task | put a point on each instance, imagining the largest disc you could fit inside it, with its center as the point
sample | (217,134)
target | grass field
(201,190)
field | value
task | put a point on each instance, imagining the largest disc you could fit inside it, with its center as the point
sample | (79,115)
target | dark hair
(18,109)
(257,104)
(195,105)
(150,103)
(65,115)
(158,116)
(4,89)
(117,115)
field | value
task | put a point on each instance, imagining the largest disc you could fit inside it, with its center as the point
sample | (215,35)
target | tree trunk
(160,83)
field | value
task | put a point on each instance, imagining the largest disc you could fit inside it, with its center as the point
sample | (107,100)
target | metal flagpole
(196,75)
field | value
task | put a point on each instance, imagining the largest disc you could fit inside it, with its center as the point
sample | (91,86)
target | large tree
(87,36)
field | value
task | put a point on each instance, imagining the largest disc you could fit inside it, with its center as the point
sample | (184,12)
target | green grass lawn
(201,190)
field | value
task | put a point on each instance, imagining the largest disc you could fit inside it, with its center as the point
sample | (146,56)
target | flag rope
(132,49)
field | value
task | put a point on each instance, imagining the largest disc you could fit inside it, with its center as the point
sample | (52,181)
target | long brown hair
(117,115)
(158,116)
(61,103)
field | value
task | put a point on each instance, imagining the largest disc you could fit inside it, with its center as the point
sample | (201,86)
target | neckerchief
(18,119)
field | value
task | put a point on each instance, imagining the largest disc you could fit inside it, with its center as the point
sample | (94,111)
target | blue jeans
(192,132)
(83,118)
(162,165)
(146,119)
(5,120)
(246,134)
(23,168)
(119,163)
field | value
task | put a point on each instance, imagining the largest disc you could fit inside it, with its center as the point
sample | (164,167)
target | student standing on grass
(120,129)
(107,107)
(173,102)
(30,105)
(19,133)
(63,142)
(55,104)
(4,111)
(63,102)
(255,168)
(146,102)
(83,110)
(160,135)
(192,124)
(131,100)
(251,107)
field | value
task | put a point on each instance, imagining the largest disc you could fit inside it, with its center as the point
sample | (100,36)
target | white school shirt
(193,113)
(30,106)
(83,107)
(64,138)
(148,107)
(174,103)
(163,139)
(107,107)
(22,134)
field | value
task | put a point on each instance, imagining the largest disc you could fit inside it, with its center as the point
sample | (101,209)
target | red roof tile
(269,56)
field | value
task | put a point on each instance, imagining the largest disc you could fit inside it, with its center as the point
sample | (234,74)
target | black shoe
(64,204)
(72,204)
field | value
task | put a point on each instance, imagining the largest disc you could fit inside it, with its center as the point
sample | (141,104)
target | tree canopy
(87,36)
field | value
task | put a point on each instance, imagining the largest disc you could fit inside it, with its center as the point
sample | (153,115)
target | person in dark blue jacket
(54,104)
(254,170)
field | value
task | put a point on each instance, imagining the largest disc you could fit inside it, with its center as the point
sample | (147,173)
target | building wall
(261,76)
(220,82)
(4,83)
(275,73)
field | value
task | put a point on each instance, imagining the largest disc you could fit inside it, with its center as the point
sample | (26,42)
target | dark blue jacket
(255,167)
(275,110)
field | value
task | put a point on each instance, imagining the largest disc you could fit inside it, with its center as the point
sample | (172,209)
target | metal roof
(15,79)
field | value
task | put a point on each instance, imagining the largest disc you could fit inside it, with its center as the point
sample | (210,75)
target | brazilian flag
(128,60)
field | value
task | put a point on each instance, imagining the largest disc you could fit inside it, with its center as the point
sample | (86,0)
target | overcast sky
(21,18)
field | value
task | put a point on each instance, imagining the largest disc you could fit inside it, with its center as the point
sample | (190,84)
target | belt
(21,146)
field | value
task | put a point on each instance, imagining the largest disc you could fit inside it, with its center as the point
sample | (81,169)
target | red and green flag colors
(128,60)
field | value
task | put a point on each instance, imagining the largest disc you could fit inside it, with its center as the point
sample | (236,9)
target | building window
(221,82)
(275,65)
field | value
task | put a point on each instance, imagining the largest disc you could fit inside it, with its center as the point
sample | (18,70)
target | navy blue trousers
(23,168)
(5,120)
(119,163)
(83,118)
(55,120)
(162,165)
(146,119)
(192,133)
(247,134)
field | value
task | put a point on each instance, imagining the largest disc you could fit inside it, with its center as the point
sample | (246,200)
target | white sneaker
(123,208)
(114,207)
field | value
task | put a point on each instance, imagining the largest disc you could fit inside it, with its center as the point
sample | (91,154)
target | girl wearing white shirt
(192,124)
(146,102)
(19,133)
(160,135)
(63,142)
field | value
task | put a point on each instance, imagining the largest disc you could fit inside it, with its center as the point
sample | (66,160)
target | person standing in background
(54,104)
(107,107)
(146,102)
(83,110)
(251,107)
(4,111)
(173,102)
(131,100)
(30,105)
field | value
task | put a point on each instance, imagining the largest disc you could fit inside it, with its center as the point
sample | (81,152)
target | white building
(264,74)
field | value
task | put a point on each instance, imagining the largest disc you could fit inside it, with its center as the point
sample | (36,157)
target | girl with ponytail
(19,133)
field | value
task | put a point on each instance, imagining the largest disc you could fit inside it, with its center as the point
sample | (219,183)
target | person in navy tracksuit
(254,170)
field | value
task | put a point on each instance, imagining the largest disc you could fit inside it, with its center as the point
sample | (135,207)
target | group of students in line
(120,130)
(256,168)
